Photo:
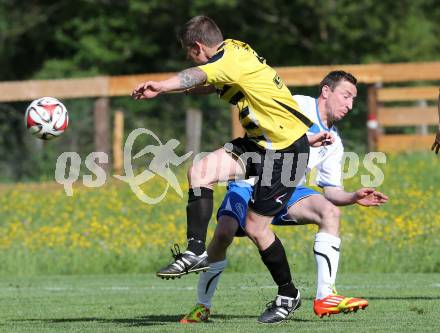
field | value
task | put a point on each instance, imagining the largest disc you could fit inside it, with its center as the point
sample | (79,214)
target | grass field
(47,239)
(135,303)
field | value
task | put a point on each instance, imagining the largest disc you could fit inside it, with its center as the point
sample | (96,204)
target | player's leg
(271,251)
(232,211)
(223,236)
(208,281)
(318,210)
(313,208)
(274,257)
(267,202)
(214,167)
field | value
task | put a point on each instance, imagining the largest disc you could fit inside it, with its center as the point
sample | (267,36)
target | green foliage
(134,36)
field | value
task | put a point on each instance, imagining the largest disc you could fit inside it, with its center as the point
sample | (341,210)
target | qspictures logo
(163,156)
(163,159)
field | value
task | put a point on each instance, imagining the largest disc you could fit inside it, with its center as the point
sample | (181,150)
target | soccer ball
(46,118)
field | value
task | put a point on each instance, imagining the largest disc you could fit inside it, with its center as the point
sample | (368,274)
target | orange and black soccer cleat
(333,304)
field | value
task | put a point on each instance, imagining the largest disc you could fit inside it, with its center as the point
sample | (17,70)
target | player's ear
(325,91)
(198,47)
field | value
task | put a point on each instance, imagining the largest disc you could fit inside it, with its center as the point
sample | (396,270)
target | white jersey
(326,159)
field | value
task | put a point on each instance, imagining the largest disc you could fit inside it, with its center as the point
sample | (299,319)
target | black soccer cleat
(279,309)
(184,263)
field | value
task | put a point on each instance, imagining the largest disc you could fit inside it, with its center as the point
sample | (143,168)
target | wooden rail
(109,86)
(407,116)
(374,75)
(407,94)
(419,116)
(405,142)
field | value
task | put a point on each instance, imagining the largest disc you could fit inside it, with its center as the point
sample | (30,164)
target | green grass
(135,303)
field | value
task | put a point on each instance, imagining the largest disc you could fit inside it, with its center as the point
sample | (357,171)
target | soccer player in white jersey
(337,93)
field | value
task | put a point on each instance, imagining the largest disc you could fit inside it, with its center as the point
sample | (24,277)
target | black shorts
(277,172)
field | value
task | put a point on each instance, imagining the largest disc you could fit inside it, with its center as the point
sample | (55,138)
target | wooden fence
(373,75)
(415,116)
(110,86)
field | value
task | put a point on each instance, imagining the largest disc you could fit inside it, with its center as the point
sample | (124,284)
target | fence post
(372,123)
(118,136)
(101,118)
(237,129)
(193,130)
(422,129)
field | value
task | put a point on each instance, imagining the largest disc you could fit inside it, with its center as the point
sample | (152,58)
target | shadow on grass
(152,320)
(149,320)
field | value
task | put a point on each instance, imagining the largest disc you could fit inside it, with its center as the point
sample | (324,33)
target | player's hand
(321,139)
(370,197)
(436,145)
(149,89)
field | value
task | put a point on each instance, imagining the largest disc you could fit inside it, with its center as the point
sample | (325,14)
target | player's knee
(199,175)
(224,237)
(330,218)
(253,229)
(333,211)
(194,175)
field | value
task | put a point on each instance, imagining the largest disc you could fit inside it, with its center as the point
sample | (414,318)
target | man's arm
(182,81)
(436,145)
(364,196)
(201,90)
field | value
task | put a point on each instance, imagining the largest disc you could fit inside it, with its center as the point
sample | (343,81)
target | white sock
(208,282)
(326,250)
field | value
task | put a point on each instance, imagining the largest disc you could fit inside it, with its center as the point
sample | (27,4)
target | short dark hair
(333,78)
(200,29)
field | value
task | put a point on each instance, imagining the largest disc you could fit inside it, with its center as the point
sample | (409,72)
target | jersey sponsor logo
(322,151)
(278,81)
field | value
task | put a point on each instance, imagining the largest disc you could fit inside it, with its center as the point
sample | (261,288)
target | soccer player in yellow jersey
(274,151)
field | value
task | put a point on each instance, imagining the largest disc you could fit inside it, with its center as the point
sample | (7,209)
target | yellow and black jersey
(267,110)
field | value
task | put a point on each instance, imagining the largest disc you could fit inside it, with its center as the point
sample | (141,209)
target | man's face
(340,100)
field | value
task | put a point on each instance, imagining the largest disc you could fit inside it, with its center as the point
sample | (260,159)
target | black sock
(288,289)
(199,211)
(274,257)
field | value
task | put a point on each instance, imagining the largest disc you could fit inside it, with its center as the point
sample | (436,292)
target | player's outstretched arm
(182,81)
(365,196)
(201,90)
(436,145)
